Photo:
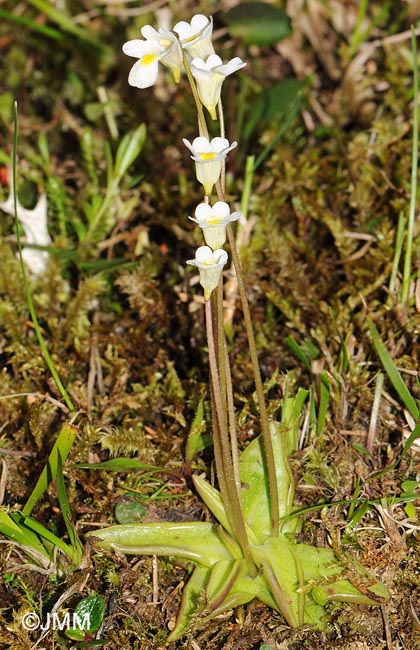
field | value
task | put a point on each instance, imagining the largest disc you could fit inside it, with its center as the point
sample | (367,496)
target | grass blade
(32,25)
(324,396)
(61,449)
(49,537)
(17,533)
(392,371)
(77,550)
(67,24)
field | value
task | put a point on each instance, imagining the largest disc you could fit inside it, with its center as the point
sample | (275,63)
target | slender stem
(414,165)
(217,310)
(398,247)
(202,124)
(231,420)
(222,135)
(226,466)
(214,374)
(375,411)
(221,118)
(41,340)
(218,458)
(268,447)
(225,379)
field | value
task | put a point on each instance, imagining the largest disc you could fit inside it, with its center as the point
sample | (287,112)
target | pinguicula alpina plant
(251,551)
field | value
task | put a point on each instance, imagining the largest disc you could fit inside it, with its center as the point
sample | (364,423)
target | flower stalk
(202,124)
(225,469)
(223,361)
(265,428)
(268,447)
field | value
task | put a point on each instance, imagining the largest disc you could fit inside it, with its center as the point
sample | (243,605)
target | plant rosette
(295,579)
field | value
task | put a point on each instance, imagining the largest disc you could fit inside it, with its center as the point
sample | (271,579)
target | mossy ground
(129,340)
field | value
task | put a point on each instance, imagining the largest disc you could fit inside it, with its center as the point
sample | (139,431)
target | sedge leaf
(392,371)
(258,23)
(273,104)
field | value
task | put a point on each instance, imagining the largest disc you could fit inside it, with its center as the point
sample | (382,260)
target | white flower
(208,156)
(210,75)
(213,221)
(196,36)
(210,265)
(160,46)
(34,223)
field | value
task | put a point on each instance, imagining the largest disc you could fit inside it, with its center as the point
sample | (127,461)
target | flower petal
(183,29)
(199,22)
(229,68)
(172,58)
(144,72)
(203,211)
(196,36)
(188,145)
(191,30)
(220,209)
(220,256)
(213,60)
(201,145)
(204,255)
(150,33)
(199,69)
(219,144)
(135,48)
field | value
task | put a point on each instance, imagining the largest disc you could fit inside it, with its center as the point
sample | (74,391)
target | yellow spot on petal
(207,156)
(213,221)
(148,59)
